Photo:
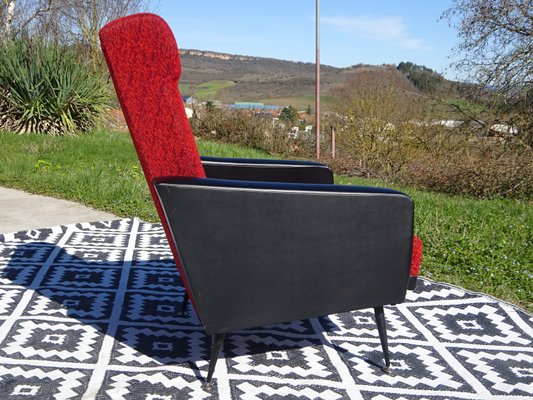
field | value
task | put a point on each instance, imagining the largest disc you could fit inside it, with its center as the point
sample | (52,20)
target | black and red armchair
(255,241)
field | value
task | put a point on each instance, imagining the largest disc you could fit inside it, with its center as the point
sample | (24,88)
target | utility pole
(317,67)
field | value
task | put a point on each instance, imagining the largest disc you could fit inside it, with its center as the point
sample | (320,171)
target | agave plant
(46,88)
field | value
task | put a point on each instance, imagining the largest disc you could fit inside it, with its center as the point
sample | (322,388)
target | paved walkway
(22,211)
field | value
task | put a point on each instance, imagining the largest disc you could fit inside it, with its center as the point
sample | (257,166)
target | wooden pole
(317,95)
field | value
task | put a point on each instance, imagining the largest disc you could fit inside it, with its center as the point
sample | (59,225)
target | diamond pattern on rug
(153,386)
(23,382)
(262,391)
(9,299)
(48,235)
(91,254)
(19,275)
(114,226)
(150,279)
(430,291)
(99,240)
(158,346)
(302,327)
(363,325)
(413,366)
(14,253)
(502,373)
(392,396)
(282,357)
(479,323)
(150,258)
(91,310)
(72,303)
(152,241)
(82,277)
(51,341)
(154,308)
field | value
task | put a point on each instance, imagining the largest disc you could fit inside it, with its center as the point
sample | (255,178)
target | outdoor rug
(91,311)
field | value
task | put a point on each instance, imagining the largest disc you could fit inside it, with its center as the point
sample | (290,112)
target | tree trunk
(10,12)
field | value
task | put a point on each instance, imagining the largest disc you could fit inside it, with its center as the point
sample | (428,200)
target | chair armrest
(271,252)
(267,170)
(261,161)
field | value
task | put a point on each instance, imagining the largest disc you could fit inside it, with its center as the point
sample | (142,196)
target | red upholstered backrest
(143,58)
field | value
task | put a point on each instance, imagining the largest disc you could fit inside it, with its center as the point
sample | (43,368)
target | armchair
(255,241)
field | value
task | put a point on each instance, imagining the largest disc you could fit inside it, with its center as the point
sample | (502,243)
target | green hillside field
(207,90)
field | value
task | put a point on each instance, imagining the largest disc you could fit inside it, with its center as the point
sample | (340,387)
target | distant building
(263,114)
(252,106)
(189,112)
(504,128)
(294,132)
(246,105)
(189,100)
(448,123)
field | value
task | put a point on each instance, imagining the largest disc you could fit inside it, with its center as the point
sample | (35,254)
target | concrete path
(22,211)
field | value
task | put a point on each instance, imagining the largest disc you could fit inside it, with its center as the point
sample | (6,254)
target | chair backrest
(143,59)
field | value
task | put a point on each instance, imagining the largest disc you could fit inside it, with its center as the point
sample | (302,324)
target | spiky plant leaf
(46,88)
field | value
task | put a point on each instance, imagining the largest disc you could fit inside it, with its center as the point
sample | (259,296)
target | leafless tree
(18,15)
(86,17)
(65,21)
(496,50)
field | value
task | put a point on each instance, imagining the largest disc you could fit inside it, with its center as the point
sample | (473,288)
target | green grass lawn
(100,169)
(484,245)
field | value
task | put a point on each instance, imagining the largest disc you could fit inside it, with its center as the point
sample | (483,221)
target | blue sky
(352,31)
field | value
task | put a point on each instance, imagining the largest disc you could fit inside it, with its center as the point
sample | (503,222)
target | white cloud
(388,28)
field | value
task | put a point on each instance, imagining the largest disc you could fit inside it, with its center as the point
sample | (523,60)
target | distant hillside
(255,78)
(428,81)
(227,77)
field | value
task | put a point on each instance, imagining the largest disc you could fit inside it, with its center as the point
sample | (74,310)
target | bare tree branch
(496,51)
(38,12)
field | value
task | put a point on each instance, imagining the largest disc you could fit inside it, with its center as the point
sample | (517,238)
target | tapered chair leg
(218,339)
(382,329)
(183,311)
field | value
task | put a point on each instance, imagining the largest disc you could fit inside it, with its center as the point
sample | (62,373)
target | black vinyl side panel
(269,172)
(254,257)
(261,161)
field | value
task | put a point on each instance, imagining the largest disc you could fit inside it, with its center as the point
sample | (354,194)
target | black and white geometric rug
(90,311)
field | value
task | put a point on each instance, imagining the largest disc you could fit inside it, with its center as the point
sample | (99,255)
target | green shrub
(231,126)
(495,172)
(375,136)
(46,88)
(384,133)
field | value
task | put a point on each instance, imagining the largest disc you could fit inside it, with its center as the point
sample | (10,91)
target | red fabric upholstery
(149,95)
(143,58)
(416,259)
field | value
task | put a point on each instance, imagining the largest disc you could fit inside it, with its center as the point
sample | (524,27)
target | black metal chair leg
(382,329)
(183,311)
(218,339)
